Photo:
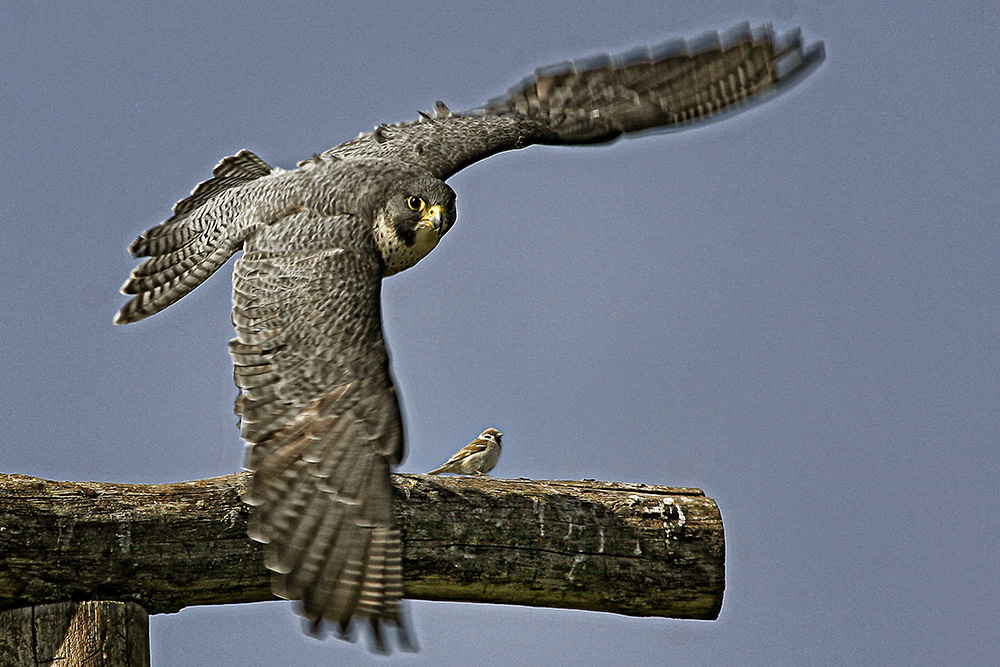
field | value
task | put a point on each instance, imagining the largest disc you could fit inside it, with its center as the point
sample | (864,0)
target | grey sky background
(795,310)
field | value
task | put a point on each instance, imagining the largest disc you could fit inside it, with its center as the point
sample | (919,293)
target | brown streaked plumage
(476,458)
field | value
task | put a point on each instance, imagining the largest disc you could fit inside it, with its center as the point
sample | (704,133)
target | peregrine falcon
(317,404)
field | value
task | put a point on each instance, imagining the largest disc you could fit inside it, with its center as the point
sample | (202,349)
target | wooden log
(95,633)
(625,548)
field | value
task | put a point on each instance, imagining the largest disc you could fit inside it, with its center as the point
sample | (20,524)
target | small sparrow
(476,458)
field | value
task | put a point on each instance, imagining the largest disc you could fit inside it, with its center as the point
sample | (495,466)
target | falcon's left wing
(669,88)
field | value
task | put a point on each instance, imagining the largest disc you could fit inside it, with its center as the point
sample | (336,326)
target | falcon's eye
(415,203)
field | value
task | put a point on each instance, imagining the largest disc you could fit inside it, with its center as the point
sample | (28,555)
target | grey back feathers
(317,401)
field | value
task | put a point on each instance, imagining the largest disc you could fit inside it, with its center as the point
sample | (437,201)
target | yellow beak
(433,218)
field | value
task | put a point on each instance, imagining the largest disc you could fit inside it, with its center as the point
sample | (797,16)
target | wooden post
(625,548)
(71,634)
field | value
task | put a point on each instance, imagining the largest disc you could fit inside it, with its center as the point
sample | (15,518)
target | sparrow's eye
(415,203)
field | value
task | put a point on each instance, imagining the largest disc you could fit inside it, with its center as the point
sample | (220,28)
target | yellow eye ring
(415,203)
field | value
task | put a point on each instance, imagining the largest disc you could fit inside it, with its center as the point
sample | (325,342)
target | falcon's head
(415,217)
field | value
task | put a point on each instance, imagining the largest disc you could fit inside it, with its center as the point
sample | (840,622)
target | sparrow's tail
(191,245)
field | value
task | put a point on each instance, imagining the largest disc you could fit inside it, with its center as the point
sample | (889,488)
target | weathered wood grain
(95,634)
(623,548)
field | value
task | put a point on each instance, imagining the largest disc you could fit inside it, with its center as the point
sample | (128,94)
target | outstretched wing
(599,99)
(319,409)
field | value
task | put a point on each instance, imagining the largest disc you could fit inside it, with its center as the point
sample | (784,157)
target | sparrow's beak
(434,218)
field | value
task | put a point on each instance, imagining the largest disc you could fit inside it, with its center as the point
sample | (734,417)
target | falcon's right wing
(318,407)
